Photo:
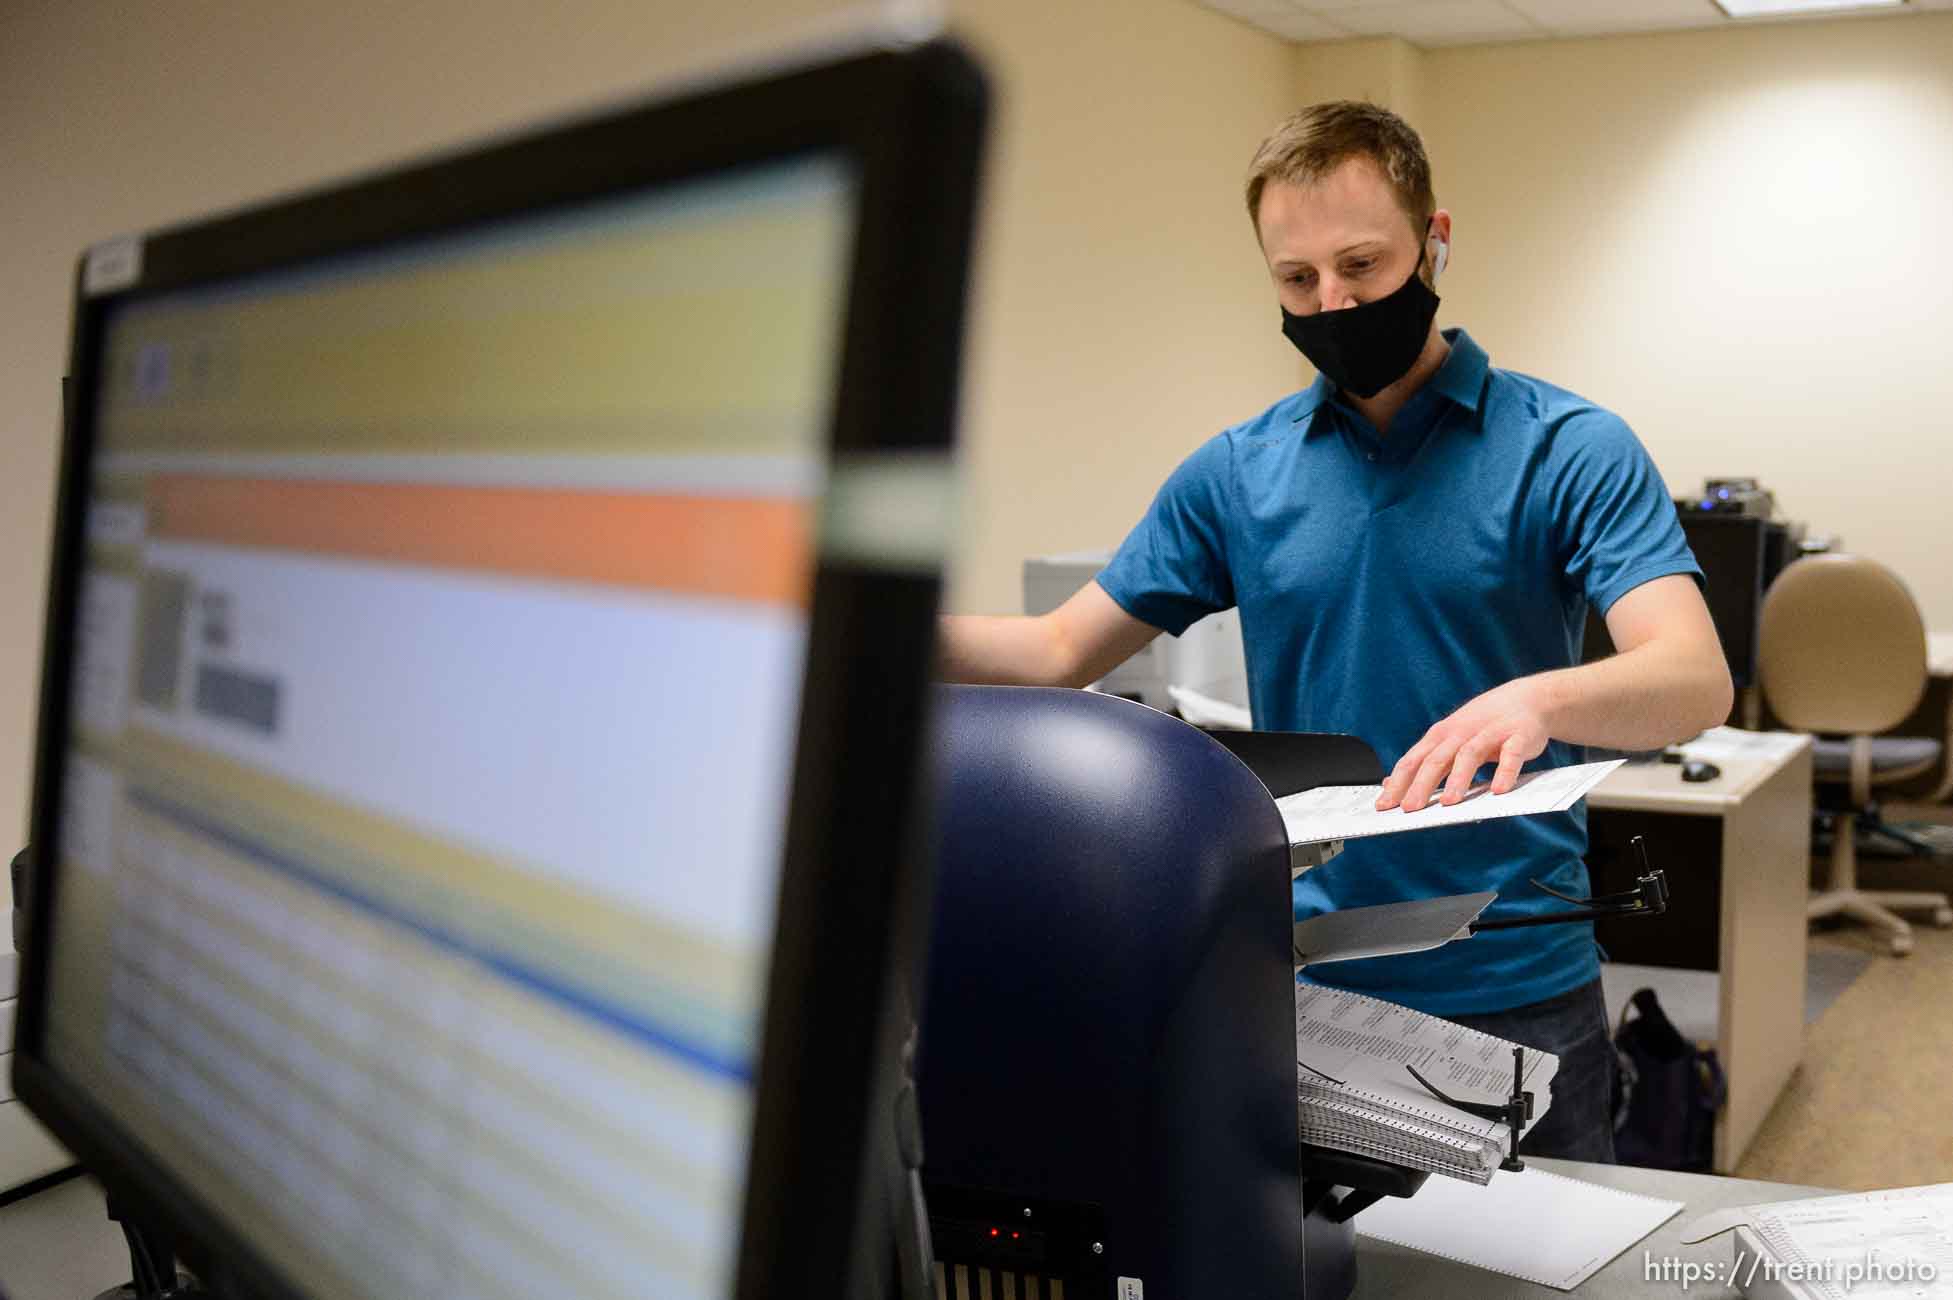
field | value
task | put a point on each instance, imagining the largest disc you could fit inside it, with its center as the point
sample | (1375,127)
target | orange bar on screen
(741,548)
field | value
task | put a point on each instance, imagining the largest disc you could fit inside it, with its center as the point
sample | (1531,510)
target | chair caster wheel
(1901,944)
(1943,917)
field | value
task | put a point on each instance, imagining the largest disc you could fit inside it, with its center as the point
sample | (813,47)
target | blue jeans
(1572,1026)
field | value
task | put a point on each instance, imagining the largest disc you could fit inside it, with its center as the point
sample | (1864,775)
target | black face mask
(1366,348)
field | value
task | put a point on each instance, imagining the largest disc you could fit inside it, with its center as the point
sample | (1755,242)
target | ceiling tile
(1439,22)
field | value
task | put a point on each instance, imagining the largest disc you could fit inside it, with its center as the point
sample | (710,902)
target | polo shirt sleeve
(1616,524)
(1172,569)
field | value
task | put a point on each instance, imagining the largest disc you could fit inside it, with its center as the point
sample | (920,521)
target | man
(1412,542)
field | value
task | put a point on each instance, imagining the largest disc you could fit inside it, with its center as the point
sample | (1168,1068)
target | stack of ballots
(1357,1093)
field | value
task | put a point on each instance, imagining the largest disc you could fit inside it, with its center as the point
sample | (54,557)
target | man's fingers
(1512,756)
(1400,776)
(1393,785)
(1471,757)
(1429,773)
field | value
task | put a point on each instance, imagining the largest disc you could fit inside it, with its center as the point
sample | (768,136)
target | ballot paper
(1534,1225)
(1868,1246)
(1356,1092)
(1724,744)
(1348,812)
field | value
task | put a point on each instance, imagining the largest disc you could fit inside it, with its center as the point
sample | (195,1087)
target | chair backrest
(1843,649)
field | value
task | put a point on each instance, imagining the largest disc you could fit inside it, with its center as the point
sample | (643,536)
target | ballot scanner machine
(1107,1074)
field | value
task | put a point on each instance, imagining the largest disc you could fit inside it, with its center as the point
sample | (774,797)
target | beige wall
(1739,241)
(1385,70)
(1121,314)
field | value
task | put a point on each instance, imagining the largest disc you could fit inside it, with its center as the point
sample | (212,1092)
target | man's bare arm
(1668,681)
(1080,641)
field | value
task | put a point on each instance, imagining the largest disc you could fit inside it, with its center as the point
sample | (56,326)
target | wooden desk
(1736,851)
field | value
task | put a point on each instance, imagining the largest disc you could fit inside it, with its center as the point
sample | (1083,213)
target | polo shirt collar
(1461,379)
(1462,376)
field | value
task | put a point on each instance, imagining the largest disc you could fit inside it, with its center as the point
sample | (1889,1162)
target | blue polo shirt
(1384,581)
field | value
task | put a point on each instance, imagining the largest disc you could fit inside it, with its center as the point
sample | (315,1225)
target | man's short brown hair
(1320,138)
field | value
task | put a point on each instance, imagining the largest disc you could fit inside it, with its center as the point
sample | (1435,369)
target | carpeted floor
(1872,1105)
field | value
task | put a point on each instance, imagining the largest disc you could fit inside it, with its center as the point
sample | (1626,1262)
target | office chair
(1843,653)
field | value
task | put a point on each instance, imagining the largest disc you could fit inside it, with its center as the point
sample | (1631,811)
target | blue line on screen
(617,1019)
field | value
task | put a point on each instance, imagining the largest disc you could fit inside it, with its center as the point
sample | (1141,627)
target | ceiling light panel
(1770,8)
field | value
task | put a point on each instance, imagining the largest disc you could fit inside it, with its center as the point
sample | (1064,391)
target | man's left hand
(1506,724)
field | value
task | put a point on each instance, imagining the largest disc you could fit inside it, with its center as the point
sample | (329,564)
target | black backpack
(1666,1093)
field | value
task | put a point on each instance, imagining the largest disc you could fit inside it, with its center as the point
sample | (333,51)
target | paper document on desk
(1825,1247)
(1349,812)
(1533,1225)
(1722,744)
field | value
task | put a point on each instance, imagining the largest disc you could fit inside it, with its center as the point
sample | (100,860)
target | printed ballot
(1349,812)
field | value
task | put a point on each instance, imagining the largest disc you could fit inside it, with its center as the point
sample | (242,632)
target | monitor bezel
(910,119)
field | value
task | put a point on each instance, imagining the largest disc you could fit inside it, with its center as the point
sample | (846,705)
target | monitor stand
(186,1288)
(152,1265)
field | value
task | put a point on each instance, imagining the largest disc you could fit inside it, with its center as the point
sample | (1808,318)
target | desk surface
(60,1245)
(1384,1269)
(1659,787)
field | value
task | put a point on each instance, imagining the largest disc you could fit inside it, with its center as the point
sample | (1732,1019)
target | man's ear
(1438,244)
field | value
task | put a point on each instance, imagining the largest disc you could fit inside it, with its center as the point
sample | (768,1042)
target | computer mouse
(1697,770)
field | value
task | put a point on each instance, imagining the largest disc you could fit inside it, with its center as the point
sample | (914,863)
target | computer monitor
(478,765)
(1731,550)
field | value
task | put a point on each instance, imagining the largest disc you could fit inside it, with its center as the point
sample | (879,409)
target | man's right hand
(1079,642)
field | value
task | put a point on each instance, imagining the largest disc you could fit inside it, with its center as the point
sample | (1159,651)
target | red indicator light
(993,1232)
(1013,1236)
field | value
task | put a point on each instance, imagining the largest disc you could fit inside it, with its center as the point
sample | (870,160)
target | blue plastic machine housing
(1107,1065)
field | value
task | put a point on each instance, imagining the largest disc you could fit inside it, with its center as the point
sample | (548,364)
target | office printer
(1107,1074)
